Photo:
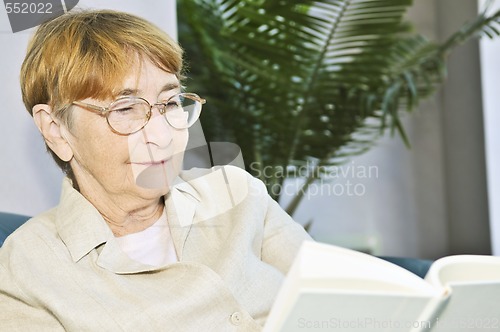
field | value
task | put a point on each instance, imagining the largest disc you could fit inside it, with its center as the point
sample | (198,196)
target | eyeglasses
(128,115)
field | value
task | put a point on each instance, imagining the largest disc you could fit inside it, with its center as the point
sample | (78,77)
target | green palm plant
(308,84)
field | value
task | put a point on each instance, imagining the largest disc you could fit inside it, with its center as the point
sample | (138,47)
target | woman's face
(141,165)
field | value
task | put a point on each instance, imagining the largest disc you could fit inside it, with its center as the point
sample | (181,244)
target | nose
(157,131)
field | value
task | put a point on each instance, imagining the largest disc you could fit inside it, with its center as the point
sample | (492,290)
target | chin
(152,193)
(157,178)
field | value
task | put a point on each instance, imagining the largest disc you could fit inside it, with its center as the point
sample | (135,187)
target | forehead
(147,78)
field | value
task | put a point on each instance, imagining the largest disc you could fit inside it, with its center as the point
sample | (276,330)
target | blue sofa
(9,222)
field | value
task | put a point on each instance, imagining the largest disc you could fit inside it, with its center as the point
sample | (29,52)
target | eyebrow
(135,92)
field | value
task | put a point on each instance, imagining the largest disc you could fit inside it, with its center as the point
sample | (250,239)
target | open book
(334,289)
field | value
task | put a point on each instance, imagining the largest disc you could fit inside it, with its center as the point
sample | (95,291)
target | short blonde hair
(87,54)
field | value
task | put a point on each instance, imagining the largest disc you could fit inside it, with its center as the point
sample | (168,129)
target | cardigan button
(236,318)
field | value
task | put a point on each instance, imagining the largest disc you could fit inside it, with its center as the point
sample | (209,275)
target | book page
(321,264)
(464,268)
(470,307)
(332,288)
(350,311)
(473,282)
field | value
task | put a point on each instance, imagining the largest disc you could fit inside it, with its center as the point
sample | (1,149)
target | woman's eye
(123,109)
(172,104)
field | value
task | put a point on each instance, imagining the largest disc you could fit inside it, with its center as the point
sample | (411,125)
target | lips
(151,163)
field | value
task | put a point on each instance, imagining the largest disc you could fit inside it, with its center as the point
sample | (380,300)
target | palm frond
(310,79)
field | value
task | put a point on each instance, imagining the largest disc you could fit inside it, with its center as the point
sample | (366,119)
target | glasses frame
(105,111)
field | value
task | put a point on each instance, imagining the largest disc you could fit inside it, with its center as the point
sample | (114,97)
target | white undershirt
(152,246)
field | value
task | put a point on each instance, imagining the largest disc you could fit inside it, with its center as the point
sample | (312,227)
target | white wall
(29,179)
(490,72)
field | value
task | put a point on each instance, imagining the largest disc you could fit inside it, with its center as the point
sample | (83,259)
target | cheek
(112,158)
(100,151)
(180,139)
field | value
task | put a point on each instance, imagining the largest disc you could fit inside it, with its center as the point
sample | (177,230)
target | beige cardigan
(63,269)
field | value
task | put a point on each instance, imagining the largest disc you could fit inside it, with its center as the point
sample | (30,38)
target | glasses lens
(128,115)
(182,111)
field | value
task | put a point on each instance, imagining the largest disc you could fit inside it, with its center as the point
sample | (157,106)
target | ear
(52,131)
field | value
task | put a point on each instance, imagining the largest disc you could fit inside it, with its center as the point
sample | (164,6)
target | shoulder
(34,237)
(220,191)
(234,173)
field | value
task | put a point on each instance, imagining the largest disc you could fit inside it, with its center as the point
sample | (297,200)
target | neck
(124,214)
(134,221)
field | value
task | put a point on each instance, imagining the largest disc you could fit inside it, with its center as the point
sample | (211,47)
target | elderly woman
(135,243)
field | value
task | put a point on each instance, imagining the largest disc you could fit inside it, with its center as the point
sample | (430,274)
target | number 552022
(28,8)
